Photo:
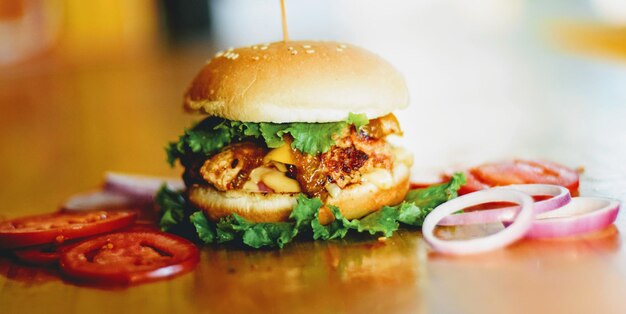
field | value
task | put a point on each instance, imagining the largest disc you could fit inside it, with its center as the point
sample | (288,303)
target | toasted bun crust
(297,81)
(355,201)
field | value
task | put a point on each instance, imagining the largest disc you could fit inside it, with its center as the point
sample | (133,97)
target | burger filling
(318,159)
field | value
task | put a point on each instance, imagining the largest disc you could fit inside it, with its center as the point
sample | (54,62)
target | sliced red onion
(97,200)
(139,186)
(581,215)
(517,229)
(560,197)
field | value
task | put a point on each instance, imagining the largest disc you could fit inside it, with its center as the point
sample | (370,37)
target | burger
(291,118)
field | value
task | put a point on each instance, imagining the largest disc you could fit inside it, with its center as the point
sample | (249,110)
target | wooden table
(62,124)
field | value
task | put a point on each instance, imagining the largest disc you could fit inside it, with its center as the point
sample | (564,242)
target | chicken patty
(355,152)
(343,164)
(230,168)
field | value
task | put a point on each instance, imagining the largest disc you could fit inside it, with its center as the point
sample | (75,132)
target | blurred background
(90,86)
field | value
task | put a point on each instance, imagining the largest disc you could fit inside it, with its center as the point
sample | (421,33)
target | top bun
(297,81)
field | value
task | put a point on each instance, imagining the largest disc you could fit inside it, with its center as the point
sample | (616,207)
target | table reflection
(355,275)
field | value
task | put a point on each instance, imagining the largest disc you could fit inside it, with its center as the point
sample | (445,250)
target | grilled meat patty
(230,168)
(356,152)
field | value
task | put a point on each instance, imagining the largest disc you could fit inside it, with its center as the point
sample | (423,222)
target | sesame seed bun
(297,81)
(355,201)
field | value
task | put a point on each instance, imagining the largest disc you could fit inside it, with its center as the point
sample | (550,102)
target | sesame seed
(263,47)
(310,51)
(306,46)
(290,48)
(230,49)
(255,47)
(294,52)
(342,46)
(256,58)
(219,54)
(339,49)
(231,55)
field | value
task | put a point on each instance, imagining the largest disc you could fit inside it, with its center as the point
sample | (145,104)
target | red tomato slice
(421,185)
(472,184)
(129,257)
(61,226)
(520,172)
(39,255)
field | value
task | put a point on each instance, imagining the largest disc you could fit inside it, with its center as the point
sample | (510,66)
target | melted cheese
(280,166)
(250,186)
(257,173)
(379,177)
(281,154)
(273,178)
(280,183)
(333,189)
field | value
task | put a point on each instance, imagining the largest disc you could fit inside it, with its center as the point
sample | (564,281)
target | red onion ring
(560,197)
(97,200)
(515,231)
(581,215)
(121,190)
(138,186)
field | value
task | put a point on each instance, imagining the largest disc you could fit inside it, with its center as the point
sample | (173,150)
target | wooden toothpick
(284,19)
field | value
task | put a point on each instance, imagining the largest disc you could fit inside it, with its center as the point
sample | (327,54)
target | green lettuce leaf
(171,150)
(206,138)
(205,229)
(251,129)
(314,138)
(337,229)
(268,234)
(172,207)
(437,194)
(358,120)
(420,202)
(273,134)
(211,134)
(241,130)
(206,142)
(235,227)
(305,211)
(253,234)
(410,214)
(384,221)
(256,235)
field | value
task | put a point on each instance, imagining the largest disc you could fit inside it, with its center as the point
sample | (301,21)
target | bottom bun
(355,201)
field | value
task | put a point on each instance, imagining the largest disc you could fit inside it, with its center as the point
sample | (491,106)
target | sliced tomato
(142,226)
(421,185)
(496,205)
(472,184)
(520,172)
(61,226)
(124,258)
(38,255)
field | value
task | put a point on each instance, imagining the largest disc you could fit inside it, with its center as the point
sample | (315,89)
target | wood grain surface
(62,124)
